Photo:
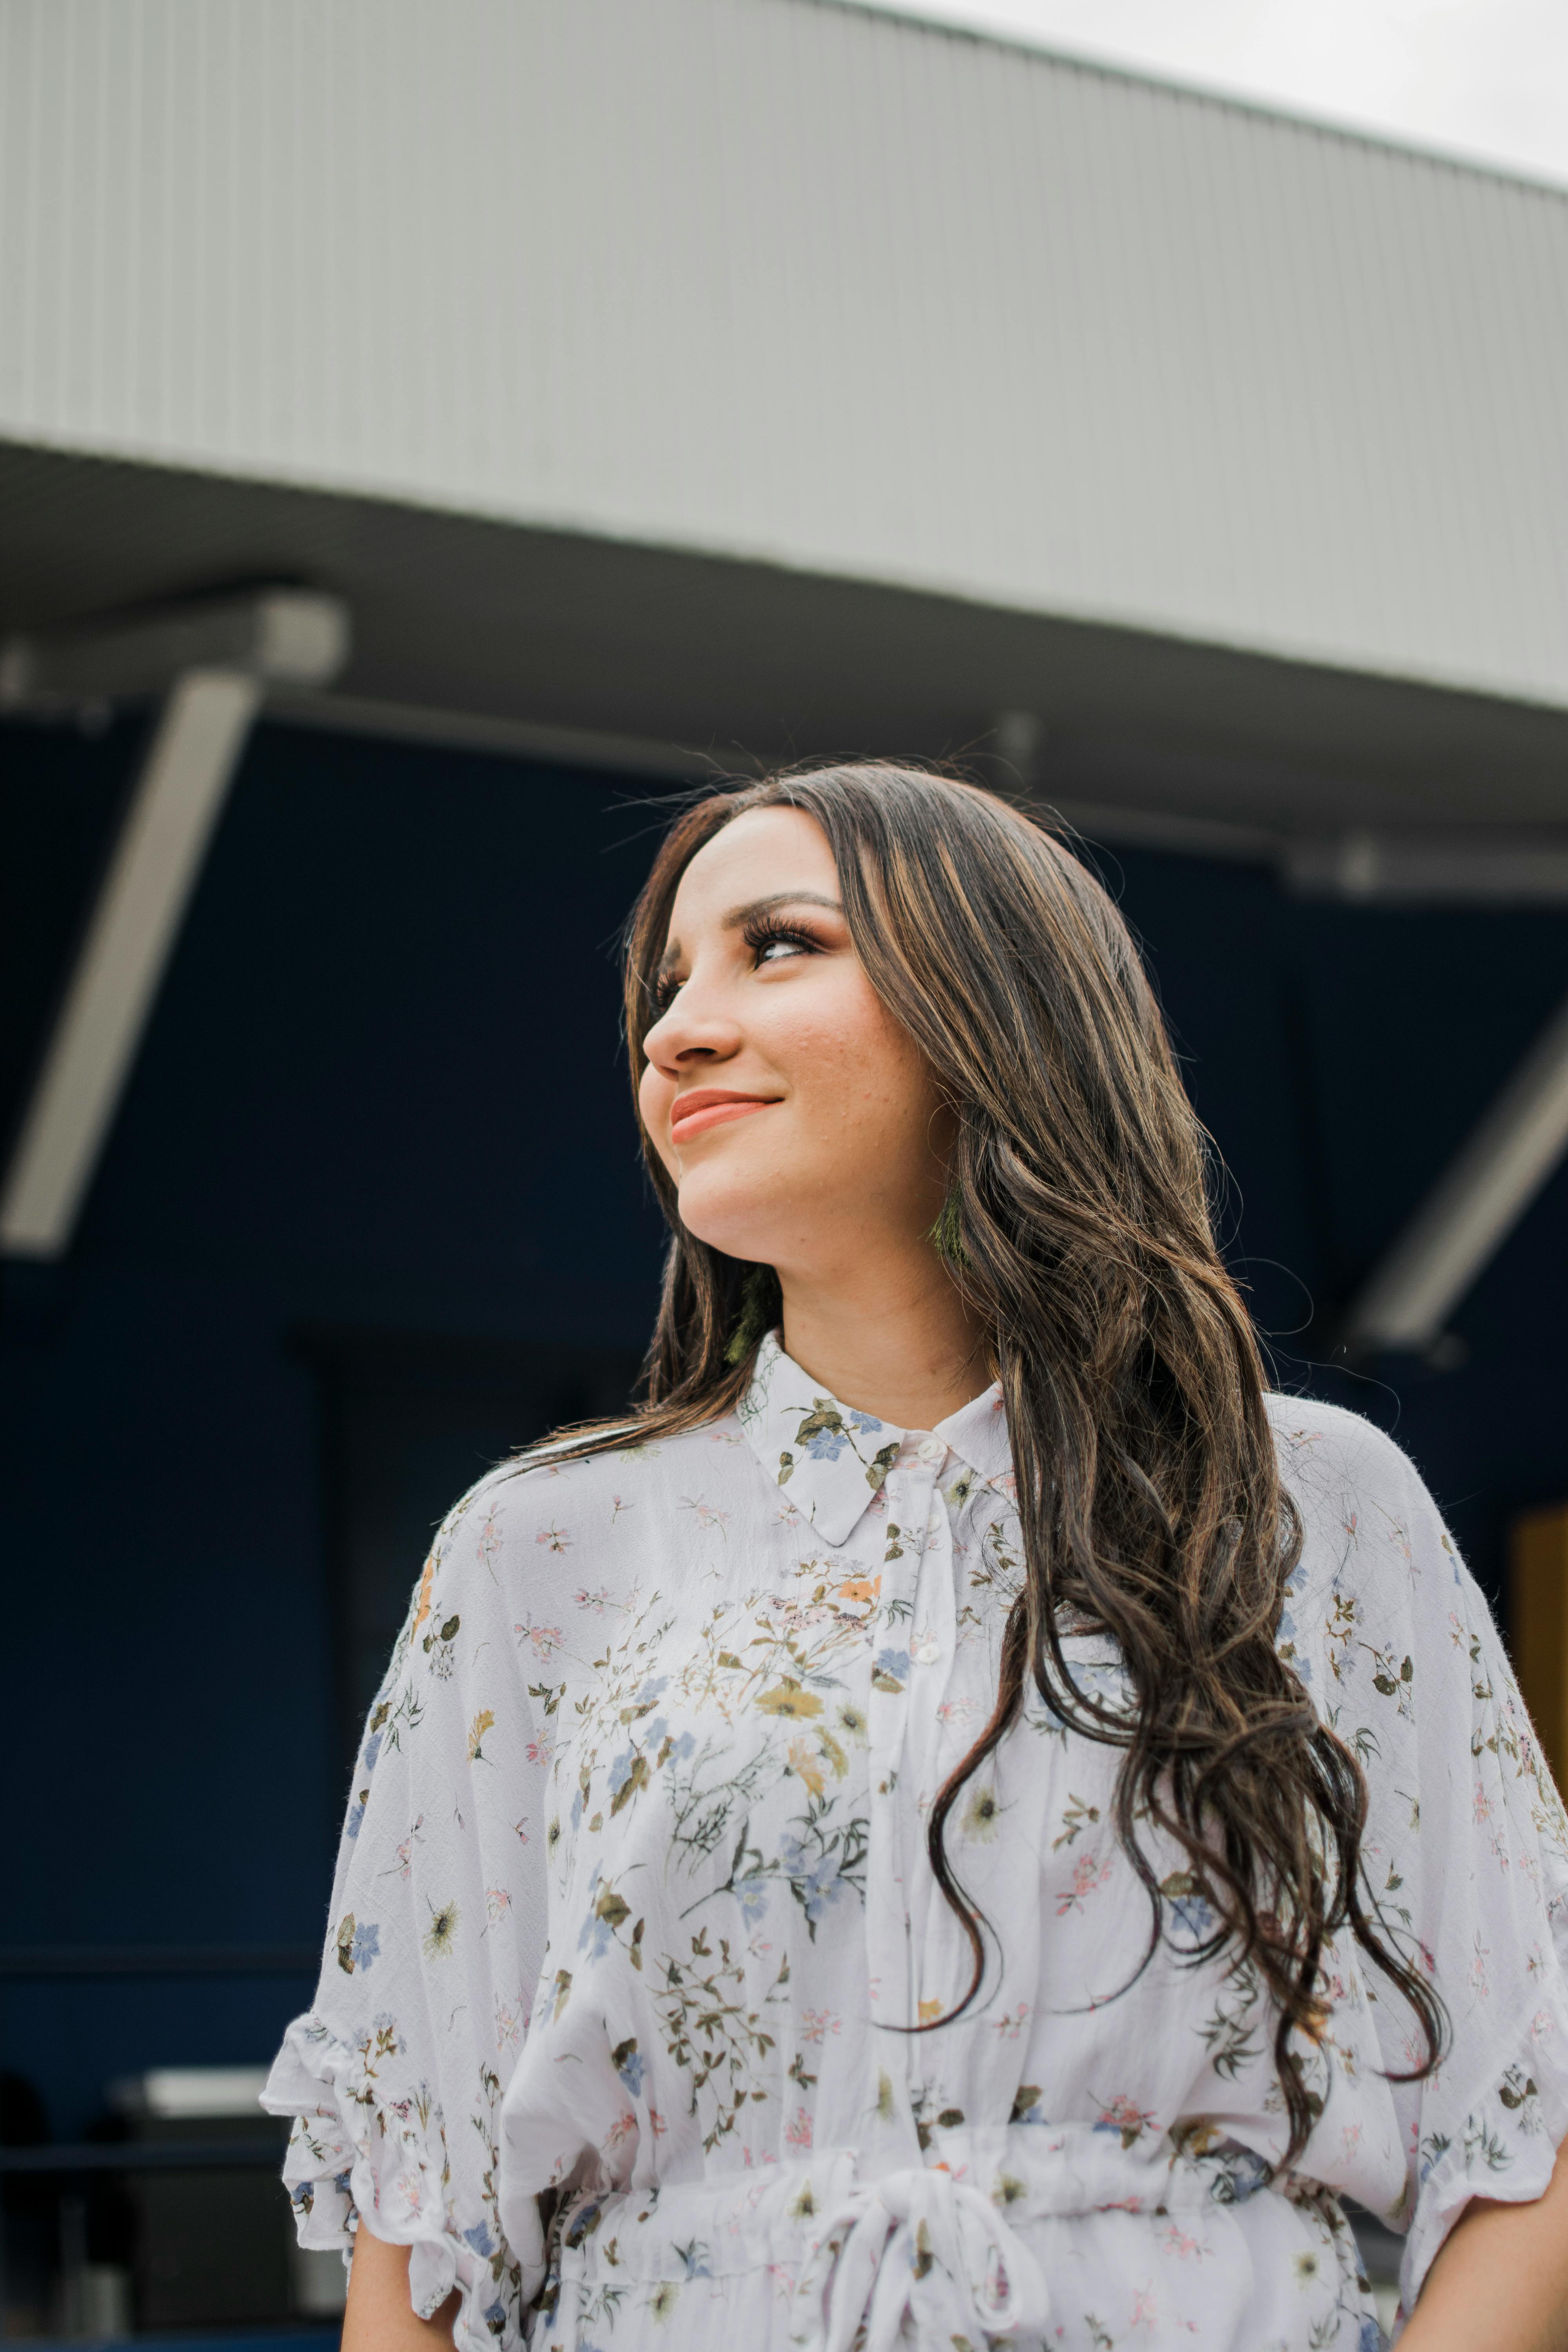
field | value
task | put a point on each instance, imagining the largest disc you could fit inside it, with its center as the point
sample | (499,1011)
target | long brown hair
(1079,1224)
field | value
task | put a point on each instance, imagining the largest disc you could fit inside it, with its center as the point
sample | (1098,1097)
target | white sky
(1487,79)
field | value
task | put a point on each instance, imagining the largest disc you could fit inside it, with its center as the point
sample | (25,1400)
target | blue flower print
(366,1945)
(621,1770)
(355,1820)
(495,2317)
(816,1884)
(1193,1915)
(865,1423)
(372,1749)
(751,1895)
(1371,2337)
(826,1445)
(1287,1626)
(894,1663)
(480,2238)
(628,2061)
(678,1750)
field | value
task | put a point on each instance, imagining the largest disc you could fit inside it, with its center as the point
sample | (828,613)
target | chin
(731,1217)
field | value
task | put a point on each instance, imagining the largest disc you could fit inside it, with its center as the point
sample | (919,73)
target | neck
(894,1340)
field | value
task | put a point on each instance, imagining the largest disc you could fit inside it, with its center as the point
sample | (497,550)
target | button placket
(908,1489)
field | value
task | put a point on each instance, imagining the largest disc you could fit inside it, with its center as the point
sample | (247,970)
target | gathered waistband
(732,2224)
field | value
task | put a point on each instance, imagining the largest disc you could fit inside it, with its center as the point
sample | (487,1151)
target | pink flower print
(816,2023)
(1476,1974)
(1349,2134)
(798,2133)
(498,1903)
(1143,2314)
(1483,1810)
(545,1639)
(1088,1874)
(540,1751)
(621,2129)
(1010,2026)
(489,1540)
(556,1537)
(405,1850)
(509,2026)
(598,1601)
(1542,2025)
(1349,1526)
(1125,2115)
(620,1505)
(520,1831)
(1177,2241)
(955,1710)
(706,1514)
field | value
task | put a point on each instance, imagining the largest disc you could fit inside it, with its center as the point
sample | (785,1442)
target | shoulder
(1326,1454)
(550,1515)
(1374,1546)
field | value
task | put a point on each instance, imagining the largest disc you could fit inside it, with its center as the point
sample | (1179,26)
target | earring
(761,1300)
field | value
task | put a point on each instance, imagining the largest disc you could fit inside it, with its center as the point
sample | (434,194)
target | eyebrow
(739,916)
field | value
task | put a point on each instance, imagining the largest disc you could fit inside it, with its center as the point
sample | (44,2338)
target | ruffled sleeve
(1465,1852)
(433,1951)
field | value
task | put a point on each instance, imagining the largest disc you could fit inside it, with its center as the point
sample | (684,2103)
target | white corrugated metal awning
(788,282)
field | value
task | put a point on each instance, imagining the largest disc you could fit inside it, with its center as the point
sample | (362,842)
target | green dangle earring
(761,1300)
(947,1234)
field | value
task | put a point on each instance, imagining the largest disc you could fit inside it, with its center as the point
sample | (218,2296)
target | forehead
(764,852)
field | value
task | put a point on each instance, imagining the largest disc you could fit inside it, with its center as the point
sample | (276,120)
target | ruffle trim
(352,2154)
(1538,2078)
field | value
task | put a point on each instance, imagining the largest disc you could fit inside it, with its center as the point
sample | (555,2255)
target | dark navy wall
(382,1089)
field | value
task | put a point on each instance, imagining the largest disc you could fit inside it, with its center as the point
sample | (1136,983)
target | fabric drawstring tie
(919,2242)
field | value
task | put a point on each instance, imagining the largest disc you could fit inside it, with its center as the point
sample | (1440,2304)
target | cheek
(857,1076)
(655,1095)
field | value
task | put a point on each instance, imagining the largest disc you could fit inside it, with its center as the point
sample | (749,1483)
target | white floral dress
(633,1913)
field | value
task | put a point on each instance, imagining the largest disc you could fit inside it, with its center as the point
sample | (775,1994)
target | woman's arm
(1500,2283)
(380,2317)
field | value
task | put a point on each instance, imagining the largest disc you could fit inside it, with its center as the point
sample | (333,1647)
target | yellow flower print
(808,1765)
(426,1583)
(442,1933)
(981,1815)
(787,1699)
(661,2303)
(860,1588)
(484,1721)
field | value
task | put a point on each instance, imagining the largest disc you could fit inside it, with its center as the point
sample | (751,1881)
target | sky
(1482,78)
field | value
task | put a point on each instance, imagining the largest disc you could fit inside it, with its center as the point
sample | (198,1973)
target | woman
(966,1819)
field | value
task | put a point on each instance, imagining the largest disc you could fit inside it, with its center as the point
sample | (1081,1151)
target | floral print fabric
(633,1915)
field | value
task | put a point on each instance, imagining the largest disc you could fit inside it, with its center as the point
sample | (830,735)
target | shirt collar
(831,1460)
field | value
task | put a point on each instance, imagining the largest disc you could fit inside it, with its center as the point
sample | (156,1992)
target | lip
(707,1107)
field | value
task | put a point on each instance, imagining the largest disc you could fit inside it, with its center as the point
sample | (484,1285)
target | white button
(929,1449)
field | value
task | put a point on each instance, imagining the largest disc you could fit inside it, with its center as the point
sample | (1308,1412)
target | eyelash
(761,931)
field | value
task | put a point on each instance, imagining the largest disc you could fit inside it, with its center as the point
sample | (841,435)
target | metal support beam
(208,706)
(1474,1207)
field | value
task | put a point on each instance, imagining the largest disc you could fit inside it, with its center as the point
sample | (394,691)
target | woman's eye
(774,947)
(664,992)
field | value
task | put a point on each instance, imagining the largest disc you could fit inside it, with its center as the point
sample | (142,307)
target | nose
(695,1031)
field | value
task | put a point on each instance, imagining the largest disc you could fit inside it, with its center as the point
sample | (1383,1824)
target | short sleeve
(1465,1852)
(433,1949)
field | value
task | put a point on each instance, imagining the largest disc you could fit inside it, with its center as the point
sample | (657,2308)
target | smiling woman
(962,1818)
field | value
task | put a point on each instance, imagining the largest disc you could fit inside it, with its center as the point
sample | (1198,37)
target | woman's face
(796,1118)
